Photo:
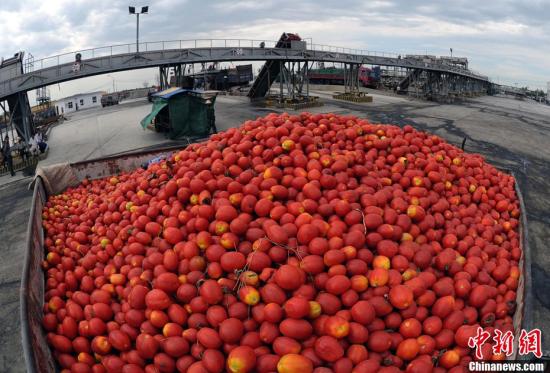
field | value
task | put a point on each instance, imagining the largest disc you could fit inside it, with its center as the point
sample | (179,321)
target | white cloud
(247,5)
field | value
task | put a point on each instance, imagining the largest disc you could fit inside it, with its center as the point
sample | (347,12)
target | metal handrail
(111,51)
(115,49)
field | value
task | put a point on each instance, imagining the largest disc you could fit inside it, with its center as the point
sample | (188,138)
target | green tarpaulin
(157,106)
(182,113)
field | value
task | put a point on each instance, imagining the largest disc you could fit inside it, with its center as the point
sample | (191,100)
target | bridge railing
(111,50)
(171,45)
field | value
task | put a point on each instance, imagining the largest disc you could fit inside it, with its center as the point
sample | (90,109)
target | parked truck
(109,99)
(333,75)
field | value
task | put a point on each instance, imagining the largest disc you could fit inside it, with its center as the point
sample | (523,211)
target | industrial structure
(44,112)
(290,57)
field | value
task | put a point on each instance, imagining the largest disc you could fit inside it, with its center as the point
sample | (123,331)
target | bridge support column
(179,73)
(164,77)
(20,115)
(351,85)
(294,79)
(455,87)
(431,87)
(281,81)
(351,78)
(165,73)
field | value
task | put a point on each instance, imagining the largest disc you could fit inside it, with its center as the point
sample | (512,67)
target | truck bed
(34,346)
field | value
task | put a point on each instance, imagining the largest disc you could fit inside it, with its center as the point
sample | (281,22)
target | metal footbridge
(18,77)
(103,60)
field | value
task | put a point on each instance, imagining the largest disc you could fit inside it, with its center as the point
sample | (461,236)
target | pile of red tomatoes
(292,244)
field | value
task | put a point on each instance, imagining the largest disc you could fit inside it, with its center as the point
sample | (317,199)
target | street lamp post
(113,78)
(132,10)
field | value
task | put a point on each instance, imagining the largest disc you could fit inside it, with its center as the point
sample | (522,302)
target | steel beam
(20,116)
(292,79)
(351,78)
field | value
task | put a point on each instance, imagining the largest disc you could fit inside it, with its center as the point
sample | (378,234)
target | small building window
(81,102)
(94,99)
(70,105)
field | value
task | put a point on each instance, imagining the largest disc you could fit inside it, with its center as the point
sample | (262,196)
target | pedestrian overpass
(18,75)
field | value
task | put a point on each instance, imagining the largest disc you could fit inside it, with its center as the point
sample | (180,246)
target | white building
(79,101)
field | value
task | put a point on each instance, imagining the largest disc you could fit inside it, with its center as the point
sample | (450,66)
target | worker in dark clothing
(6,150)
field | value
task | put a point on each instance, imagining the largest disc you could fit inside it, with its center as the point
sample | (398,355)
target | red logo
(504,343)
(478,340)
(530,342)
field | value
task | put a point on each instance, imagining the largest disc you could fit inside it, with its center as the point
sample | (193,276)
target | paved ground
(98,132)
(15,201)
(510,133)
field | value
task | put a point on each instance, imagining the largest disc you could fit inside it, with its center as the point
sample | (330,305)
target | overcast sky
(507,40)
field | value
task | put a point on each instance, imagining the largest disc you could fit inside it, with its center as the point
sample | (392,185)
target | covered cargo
(182,113)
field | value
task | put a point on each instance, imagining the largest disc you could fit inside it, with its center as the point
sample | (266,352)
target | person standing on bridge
(6,151)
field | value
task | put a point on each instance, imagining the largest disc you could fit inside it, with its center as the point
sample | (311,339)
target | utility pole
(137,33)
(113,79)
(132,10)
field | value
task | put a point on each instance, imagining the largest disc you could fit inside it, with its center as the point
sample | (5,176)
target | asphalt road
(511,134)
(15,200)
